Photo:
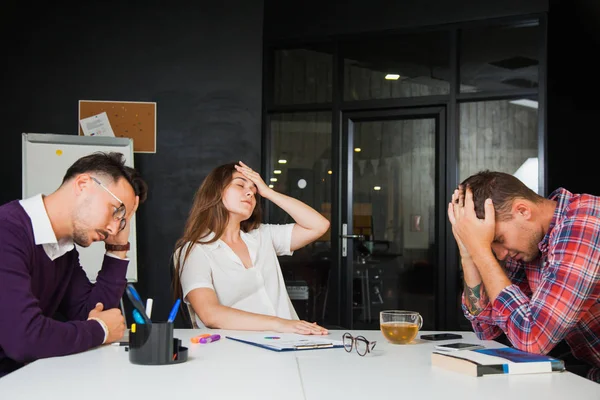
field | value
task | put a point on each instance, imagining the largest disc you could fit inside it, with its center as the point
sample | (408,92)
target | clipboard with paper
(287,341)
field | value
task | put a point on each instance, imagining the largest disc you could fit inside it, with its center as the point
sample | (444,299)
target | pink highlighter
(211,338)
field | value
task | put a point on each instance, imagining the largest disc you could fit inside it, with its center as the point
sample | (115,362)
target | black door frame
(438,113)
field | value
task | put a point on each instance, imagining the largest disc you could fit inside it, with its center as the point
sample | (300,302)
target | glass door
(392,215)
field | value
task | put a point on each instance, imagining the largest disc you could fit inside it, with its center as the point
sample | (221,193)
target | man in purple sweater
(40,274)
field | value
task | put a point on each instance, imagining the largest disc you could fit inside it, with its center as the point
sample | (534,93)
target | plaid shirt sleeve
(484,323)
(570,285)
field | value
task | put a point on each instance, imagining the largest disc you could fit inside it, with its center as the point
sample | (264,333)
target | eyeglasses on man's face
(362,345)
(120,212)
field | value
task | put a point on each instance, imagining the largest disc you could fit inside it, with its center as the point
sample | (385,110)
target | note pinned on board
(97,125)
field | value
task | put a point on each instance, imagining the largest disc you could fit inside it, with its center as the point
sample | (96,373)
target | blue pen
(134,292)
(174,311)
(134,297)
(137,317)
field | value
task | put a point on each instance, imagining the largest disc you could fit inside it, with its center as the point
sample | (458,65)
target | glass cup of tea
(400,327)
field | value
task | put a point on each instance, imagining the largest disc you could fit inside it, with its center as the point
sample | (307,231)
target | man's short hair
(502,188)
(111,165)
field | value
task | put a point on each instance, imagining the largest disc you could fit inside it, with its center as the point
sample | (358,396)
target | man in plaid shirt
(549,287)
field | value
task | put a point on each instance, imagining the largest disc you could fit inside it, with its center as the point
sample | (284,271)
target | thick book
(287,341)
(496,361)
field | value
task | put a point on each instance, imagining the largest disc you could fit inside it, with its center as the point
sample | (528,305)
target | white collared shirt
(42,228)
(259,289)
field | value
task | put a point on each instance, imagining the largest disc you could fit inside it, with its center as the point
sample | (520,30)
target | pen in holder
(154,344)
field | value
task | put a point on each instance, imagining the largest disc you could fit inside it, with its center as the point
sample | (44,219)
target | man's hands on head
(474,235)
(458,198)
(122,237)
(477,235)
(475,296)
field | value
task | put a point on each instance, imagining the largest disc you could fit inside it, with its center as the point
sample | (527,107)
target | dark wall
(573,96)
(314,18)
(201,63)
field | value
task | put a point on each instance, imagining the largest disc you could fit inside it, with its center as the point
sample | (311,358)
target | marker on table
(211,338)
(174,310)
(196,339)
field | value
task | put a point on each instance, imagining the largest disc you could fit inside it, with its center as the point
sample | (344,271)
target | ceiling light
(357,149)
(377,188)
(271,186)
(330,172)
(273,179)
(282,161)
(392,77)
(277,171)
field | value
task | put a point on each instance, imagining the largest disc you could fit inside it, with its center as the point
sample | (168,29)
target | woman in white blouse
(226,261)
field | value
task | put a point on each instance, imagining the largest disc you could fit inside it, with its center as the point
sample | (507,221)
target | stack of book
(495,361)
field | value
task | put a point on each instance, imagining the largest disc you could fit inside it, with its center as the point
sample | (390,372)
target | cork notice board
(130,119)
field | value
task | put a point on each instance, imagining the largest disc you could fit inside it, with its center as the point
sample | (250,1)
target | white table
(230,370)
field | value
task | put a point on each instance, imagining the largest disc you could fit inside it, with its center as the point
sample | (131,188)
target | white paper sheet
(282,341)
(97,125)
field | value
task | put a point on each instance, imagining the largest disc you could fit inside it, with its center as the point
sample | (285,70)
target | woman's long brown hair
(208,214)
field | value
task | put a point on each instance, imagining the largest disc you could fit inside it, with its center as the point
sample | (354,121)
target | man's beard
(80,231)
(81,237)
(534,250)
(531,256)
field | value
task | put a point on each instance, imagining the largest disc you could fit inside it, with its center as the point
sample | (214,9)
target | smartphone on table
(458,346)
(441,336)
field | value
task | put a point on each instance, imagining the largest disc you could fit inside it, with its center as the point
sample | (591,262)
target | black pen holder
(154,344)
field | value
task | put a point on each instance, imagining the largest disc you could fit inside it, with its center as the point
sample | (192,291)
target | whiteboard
(46,158)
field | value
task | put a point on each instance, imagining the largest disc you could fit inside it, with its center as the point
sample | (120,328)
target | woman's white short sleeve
(196,271)
(281,237)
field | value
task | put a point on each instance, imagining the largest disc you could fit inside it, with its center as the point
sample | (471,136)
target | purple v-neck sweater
(33,288)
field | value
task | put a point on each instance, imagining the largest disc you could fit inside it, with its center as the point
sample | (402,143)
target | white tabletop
(231,370)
